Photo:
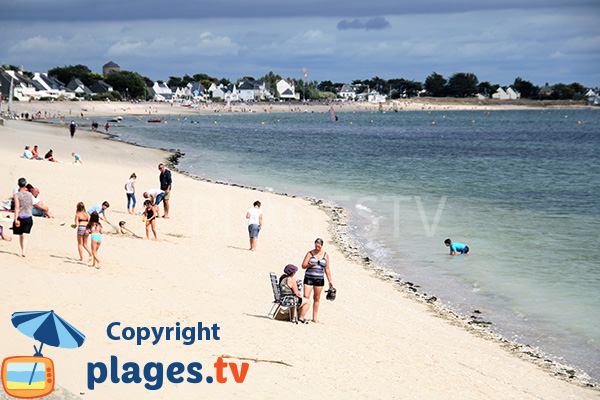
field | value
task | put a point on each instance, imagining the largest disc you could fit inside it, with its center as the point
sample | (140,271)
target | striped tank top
(316,271)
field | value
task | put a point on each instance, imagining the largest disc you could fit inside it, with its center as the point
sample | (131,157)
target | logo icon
(32,377)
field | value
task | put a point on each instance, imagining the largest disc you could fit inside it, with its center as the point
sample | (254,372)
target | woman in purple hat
(289,286)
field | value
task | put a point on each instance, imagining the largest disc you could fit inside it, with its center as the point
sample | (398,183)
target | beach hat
(290,269)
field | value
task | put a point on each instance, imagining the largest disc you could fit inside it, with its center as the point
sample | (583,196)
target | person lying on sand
(124,231)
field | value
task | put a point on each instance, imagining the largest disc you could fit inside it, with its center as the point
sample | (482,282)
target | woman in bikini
(81,220)
(150,214)
(94,228)
(316,264)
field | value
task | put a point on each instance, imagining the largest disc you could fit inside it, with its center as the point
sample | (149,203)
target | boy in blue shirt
(456,248)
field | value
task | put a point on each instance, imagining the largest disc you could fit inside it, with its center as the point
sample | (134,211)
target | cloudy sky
(339,40)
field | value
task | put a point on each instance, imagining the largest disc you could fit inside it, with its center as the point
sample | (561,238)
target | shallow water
(521,188)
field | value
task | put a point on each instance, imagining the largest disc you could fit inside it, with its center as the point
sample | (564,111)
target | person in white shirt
(155,196)
(255,221)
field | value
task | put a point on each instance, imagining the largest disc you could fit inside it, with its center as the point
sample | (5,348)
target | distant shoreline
(73,110)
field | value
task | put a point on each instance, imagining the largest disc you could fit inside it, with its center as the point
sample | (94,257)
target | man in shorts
(255,220)
(165,185)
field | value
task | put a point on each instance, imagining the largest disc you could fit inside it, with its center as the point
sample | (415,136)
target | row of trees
(460,84)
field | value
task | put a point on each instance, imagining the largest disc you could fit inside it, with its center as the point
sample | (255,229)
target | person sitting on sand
(150,215)
(50,156)
(124,231)
(3,235)
(94,229)
(27,153)
(456,248)
(77,158)
(288,286)
(36,154)
(155,196)
(101,210)
(39,208)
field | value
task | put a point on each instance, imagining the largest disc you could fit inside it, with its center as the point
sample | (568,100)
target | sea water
(520,188)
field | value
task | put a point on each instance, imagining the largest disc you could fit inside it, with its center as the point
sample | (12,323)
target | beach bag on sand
(331,293)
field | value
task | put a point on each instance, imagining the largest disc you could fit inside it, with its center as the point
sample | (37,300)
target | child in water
(150,214)
(456,248)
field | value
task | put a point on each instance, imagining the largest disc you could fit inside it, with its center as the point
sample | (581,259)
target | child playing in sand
(150,214)
(124,231)
(77,158)
(94,228)
(456,248)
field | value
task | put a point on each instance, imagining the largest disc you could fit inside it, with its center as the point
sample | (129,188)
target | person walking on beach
(81,220)
(130,190)
(316,264)
(150,215)
(456,248)
(3,235)
(106,127)
(165,185)
(72,129)
(255,221)
(94,228)
(23,223)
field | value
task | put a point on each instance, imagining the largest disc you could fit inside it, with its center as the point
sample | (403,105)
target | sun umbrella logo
(32,377)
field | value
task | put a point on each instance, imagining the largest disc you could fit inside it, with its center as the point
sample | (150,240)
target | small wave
(363,208)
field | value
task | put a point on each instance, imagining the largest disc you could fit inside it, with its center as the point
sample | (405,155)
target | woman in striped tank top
(316,264)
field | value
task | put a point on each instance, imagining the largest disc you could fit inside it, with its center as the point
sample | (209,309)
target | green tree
(578,90)
(462,84)
(127,83)
(435,84)
(90,78)
(401,87)
(325,86)
(527,89)
(271,79)
(66,73)
(487,88)
(175,81)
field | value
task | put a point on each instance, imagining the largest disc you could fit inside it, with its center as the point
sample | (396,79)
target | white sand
(375,343)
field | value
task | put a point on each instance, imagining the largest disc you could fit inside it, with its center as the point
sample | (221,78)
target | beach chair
(287,303)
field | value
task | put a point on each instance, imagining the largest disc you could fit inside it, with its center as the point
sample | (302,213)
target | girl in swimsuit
(94,228)
(316,264)
(150,214)
(81,219)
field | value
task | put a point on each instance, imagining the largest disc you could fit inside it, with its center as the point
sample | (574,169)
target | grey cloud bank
(541,41)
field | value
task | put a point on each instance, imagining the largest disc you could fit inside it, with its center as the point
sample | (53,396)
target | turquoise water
(521,188)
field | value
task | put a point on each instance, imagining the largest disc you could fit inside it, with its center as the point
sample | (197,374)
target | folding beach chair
(285,303)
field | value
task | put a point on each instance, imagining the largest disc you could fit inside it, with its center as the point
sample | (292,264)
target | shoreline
(351,247)
(527,384)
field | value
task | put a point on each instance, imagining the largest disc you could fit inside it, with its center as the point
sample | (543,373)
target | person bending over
(456,248)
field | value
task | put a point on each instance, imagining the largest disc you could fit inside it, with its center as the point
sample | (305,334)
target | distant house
(376,97)
(508,94)
(101,87)
(52,87)
(196,91)
(161,92)
(254,90)
(110,67)
(347,92)
(546,91)
(76,86)
(225,93)
(286,90)
(23,88)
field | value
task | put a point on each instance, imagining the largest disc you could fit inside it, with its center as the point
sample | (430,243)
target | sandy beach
(374,342)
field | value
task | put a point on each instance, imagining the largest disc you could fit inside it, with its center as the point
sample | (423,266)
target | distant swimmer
(456,248)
